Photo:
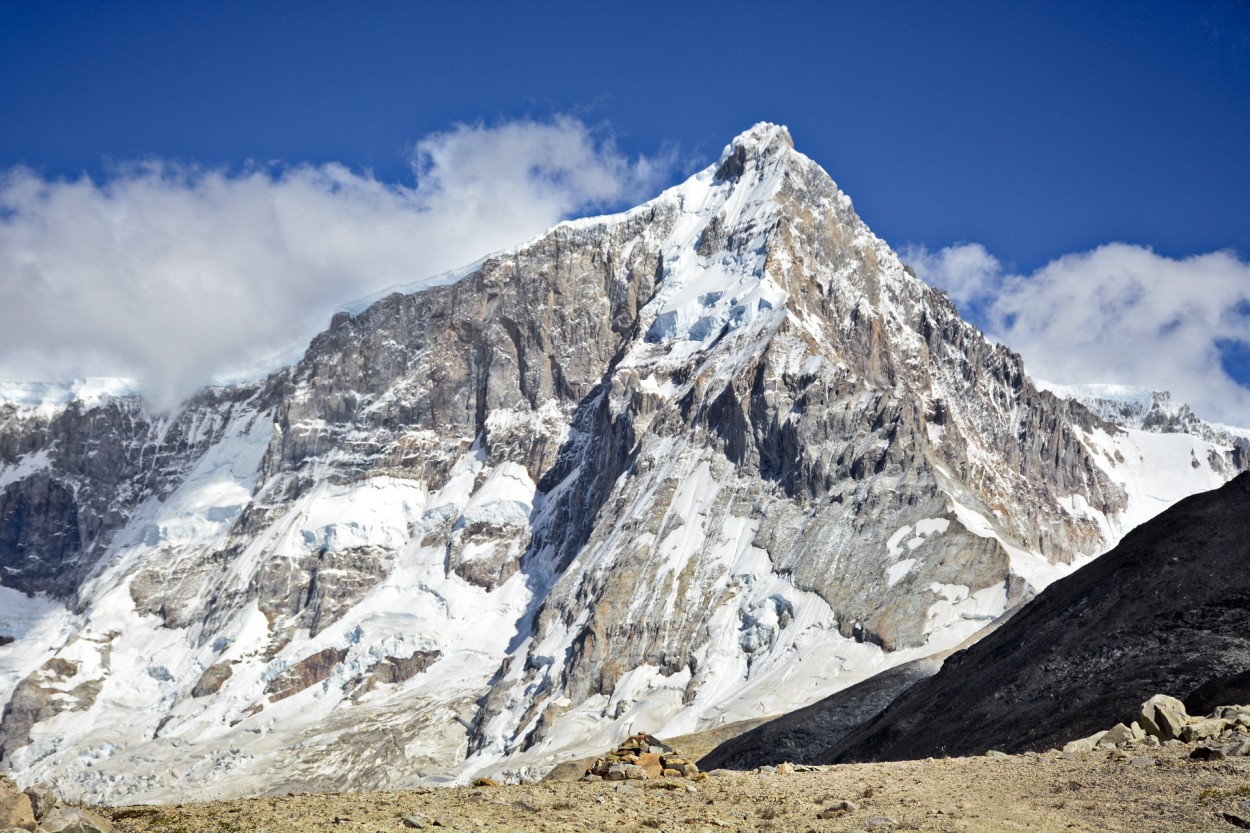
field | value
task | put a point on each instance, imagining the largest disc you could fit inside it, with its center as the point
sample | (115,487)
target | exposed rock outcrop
(1167,609)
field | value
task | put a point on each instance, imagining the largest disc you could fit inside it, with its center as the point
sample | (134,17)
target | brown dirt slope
(1039,793)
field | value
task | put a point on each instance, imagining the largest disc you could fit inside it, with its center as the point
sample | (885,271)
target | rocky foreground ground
(1162,789)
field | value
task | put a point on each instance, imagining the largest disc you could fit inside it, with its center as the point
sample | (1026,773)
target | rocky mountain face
(73,475)
(712,458)
(1167,610)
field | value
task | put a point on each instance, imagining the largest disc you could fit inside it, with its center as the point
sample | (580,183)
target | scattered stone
(1239,749)
(1197,730)
(1117,734)
(879,823)
(1084,744)
(837,809)
(766,770)
(665,784)
(1207,753)
(1236,819)
(1143,761)
(994,753)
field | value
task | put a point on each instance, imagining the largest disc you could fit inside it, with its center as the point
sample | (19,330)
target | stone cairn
(640,757)
(37,810)
(1163,720)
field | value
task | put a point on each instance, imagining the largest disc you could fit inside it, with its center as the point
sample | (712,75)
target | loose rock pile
(36,810)
(640,757)
(1163,720)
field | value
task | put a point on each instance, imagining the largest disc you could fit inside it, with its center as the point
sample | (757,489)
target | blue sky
(1029,131)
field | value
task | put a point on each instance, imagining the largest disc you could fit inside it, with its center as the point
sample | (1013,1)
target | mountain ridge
(696,462)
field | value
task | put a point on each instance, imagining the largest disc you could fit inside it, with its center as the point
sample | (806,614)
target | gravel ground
(1042,793)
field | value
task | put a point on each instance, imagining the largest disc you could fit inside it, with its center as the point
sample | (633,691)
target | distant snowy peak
(1143,409)
(47,398)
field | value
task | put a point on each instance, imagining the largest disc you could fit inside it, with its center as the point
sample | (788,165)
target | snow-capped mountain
(1148,410)
(712,458)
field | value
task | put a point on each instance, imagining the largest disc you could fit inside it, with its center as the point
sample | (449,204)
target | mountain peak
(762,142)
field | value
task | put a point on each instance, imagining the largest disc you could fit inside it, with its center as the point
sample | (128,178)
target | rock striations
(709,459)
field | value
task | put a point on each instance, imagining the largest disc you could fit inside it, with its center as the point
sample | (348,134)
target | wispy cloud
(1119,313)
(178,274)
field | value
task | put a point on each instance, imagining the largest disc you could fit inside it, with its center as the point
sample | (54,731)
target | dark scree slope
(1168,610)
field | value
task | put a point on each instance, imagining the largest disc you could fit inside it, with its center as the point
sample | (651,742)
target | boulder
(1239,749)
(61,819)
(650,763)
(15,807)
(1204,728)
(1163,717)
(1083,745)
(41,799)
(1116,735)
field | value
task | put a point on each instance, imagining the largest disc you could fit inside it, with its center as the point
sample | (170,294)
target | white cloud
(177,274)
(967,271)
(1119,314)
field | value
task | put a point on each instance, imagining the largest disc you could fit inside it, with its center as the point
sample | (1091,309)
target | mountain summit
(712,458)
